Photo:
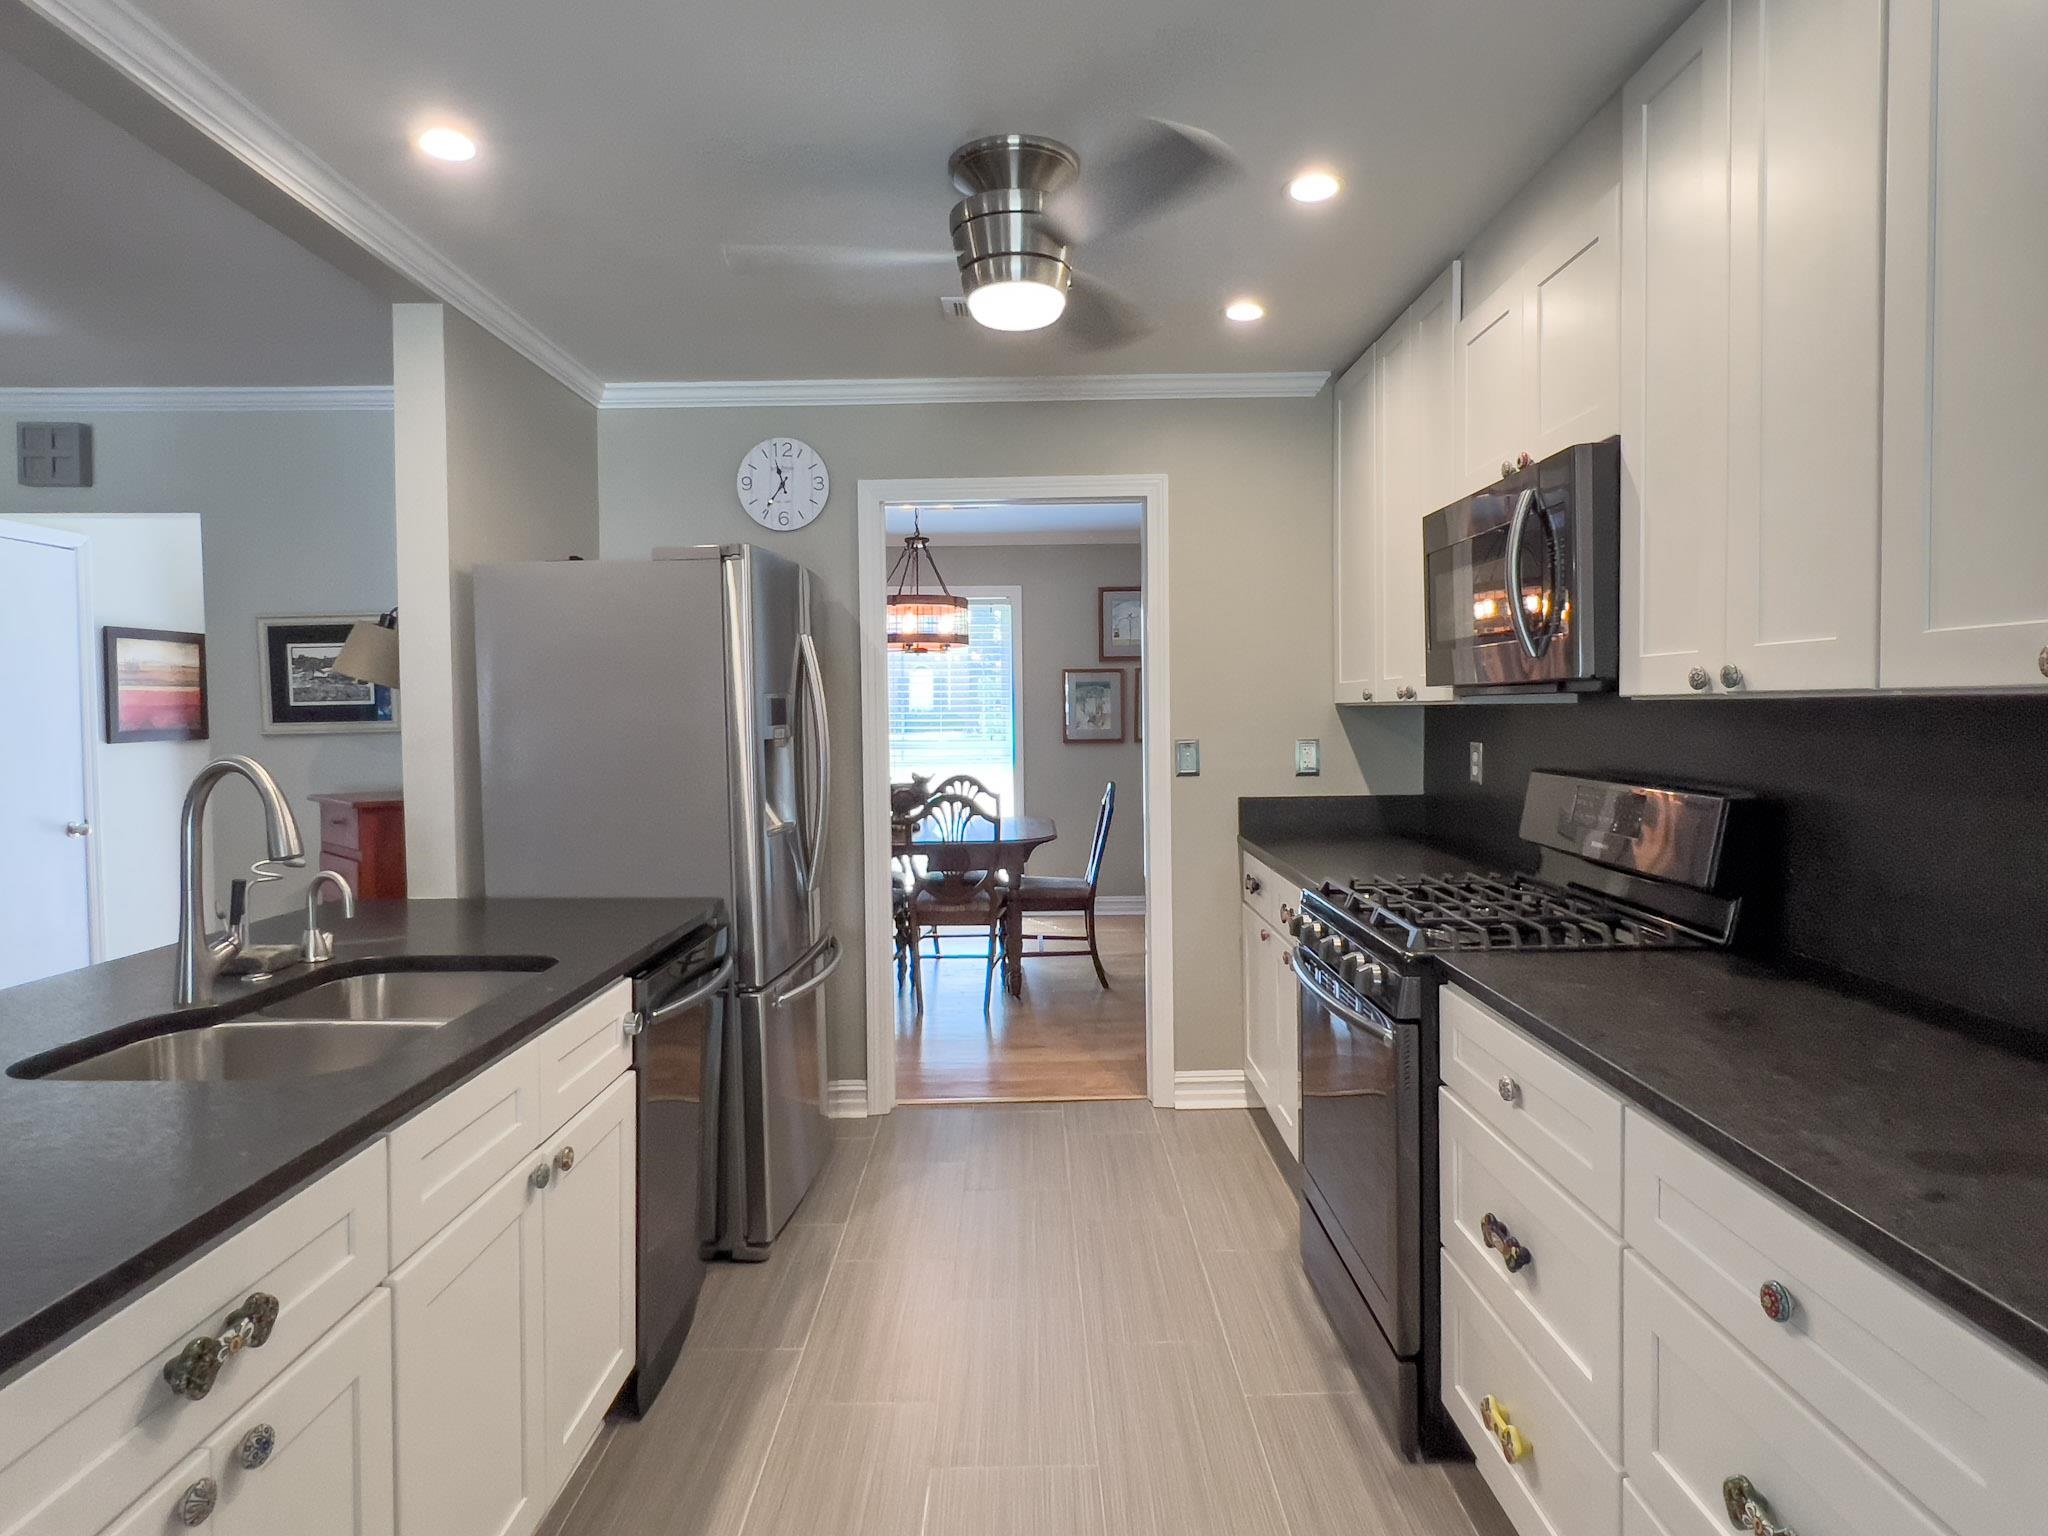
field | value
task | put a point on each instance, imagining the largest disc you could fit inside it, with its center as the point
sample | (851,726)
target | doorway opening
(1015,943)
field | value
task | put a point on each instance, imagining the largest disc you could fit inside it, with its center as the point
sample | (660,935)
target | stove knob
(1314,932)
(1295,923)
(1354,967)
(1375,975)
(1332,947)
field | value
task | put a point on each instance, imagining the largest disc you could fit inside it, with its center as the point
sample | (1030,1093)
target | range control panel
(1663,831)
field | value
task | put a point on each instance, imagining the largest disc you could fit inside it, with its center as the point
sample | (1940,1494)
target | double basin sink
(334,1026)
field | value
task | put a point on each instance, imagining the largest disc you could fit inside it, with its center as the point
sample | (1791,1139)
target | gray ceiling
(625,140)
(119,269)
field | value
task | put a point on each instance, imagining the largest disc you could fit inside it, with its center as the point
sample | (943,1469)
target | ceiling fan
(1024,207)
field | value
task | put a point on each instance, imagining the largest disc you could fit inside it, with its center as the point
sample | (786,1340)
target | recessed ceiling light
(1314,187)
(446,144)
(1244,311)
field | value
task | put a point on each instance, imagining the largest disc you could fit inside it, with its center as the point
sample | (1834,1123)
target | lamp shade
(370,654)
(923,618)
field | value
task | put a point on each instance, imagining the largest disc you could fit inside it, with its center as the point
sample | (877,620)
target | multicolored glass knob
(1776,1301)
(1514,1445)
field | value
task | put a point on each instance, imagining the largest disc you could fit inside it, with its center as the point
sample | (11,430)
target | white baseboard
(1119,906)
(1211,1090)
(846,1098)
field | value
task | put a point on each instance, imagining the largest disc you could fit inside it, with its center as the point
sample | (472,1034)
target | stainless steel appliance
(681,1014)
(1622,866)
(655,728)
(1521,581)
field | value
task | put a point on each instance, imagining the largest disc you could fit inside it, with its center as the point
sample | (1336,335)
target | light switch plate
(1187,759)
(1478,762)
(1308,758)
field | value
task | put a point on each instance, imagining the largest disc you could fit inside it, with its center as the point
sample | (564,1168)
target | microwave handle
(1523,505)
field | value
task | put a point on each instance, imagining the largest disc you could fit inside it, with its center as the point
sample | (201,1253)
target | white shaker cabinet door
(467,1329)
(1807,130)
(1284,1017)
(1965,548)
(1570,318)
(588,1263)
(1417,405)
(1674,361)
(1494,420)
(1356,626)
(1256,944)
(312,1455)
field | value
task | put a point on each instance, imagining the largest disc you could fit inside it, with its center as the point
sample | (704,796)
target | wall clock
(783,484)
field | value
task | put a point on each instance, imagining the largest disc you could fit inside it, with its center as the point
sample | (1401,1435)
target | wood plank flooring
(1065,1038)
(1017,1320)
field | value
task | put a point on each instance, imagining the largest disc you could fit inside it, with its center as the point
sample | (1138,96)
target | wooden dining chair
(967,786)
(1050,895)
(964,884)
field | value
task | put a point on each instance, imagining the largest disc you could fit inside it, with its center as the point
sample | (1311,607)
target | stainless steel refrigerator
(655,728)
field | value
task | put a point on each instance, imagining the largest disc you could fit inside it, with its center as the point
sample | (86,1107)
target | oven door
(1361,1152)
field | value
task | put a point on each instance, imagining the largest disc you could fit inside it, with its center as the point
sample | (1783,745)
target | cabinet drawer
(92,1429)
(448,1154)
(1266,891)
(1702,1411)
(1550,1111)
(340,827)
(1564,1305)
(582,1054)
(1951,1415)
(1564,1485)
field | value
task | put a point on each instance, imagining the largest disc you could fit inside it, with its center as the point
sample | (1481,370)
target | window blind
(955,711)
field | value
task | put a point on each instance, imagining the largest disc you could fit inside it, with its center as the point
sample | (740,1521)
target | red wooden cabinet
(362,838)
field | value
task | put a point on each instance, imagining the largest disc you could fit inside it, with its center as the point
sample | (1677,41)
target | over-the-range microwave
(1521,581)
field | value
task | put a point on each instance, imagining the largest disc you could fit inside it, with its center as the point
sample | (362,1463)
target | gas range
(1622,866)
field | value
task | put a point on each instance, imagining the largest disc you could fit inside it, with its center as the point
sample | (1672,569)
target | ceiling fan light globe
(1017,304)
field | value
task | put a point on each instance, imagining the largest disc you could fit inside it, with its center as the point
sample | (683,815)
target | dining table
(1015,838)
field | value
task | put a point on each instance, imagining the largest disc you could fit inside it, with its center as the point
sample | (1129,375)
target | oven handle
(1338,1006)
(1523,503)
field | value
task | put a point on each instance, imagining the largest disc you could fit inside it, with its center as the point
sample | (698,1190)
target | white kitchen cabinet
(1965,542)
(1417,365)
(1271,1051)
(1752,169)
(313,1455)
(1395,445)
(1536,360)
(1354,550)
(468,1334)
(188,1487)
(588,1274)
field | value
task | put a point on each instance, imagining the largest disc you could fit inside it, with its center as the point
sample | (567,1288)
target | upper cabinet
(1536,364)
(1965,333)
(1752,167)
(1395,466)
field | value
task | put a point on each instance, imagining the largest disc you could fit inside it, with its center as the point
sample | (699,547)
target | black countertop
(1924,1146)
(111,1184)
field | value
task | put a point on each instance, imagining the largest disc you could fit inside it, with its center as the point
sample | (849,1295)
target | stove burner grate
(1490,911)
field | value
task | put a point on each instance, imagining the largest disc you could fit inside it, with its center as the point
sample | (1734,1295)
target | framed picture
(1121,615)
(302,693)
(1095,703)
(155,684)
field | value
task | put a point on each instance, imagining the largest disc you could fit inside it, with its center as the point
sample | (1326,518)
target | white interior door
(46,923)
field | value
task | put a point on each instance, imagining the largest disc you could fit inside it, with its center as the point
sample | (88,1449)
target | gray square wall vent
(53,453)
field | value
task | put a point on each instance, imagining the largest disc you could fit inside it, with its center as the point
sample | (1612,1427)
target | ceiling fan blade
(755,260)
(1098,318)
(1164,165)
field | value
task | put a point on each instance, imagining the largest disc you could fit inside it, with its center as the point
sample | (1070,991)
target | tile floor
(1017,1320)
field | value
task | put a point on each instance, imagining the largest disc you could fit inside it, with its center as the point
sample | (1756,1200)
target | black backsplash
(1907,838)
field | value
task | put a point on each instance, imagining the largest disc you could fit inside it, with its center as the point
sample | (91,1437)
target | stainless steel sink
(427,997)
(247,1048)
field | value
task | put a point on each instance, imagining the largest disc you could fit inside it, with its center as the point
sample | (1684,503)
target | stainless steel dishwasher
(680,1018)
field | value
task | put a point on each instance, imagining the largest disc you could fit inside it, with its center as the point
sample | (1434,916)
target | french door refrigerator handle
(827,949)
(820,813)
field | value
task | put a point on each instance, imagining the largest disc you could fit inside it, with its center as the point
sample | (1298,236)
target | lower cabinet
(311,1454)
(514,1330)
(1271,1049)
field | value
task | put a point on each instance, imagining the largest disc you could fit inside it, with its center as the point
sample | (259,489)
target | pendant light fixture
(923,617)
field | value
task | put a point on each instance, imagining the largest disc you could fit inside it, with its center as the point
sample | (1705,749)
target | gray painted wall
(1249,561)
(295,516)
(495,462)
(1064,779)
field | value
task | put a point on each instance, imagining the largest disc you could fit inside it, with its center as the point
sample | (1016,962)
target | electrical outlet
(1478,761)
(1308,758)
(1187,759)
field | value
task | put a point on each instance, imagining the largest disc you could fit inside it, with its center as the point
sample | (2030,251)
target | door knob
(1699,679)
(78,829)
(1731,676)
(1365,697)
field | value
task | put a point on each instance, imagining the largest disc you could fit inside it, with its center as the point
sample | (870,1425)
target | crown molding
(67,403)
(140,49)
(684,394)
